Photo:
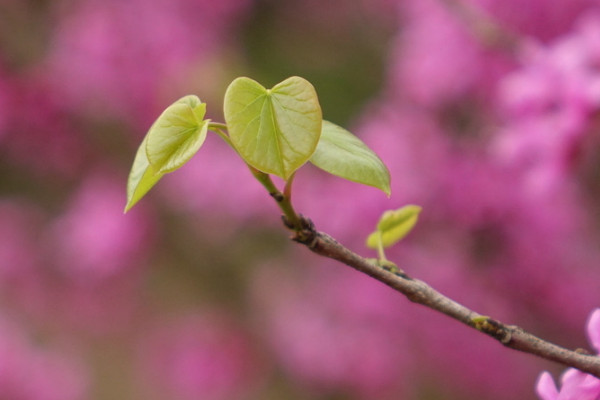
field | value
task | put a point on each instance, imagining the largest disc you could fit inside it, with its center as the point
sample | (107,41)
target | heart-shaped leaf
(393,226)
(341,153)
(274,130)
(177,134)
(141,177)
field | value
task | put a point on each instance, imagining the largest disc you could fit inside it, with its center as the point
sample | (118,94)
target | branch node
(393,268)
(287,222)
(403,275)
(277,196)
(493,328)
(307,234)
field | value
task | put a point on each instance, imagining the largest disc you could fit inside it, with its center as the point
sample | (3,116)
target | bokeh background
(485,111)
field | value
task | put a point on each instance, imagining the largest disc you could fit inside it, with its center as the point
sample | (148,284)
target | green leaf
(341,153)
(177,134)
(172,140)
(141,177)
(274,130)
(393,226)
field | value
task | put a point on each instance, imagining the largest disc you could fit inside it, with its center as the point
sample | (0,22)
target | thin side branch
(420,292)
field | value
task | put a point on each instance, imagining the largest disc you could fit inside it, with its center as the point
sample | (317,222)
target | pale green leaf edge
(392,218)
(177,134)
(343,154)
(142,177)
(393,226)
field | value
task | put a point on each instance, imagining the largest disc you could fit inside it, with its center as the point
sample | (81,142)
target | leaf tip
(343,154)
(130,203)
(412,208)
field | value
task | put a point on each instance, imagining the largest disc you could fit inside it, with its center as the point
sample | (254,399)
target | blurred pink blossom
(5,100)
(98,308)
(436,58)
(335,331)
(19,223)
(93,240)
(216,182)
(199,357)
(538,18)
(30,372)
(338,17)
(82,270)
(551,103)
(575,385)
(38,134)
(550,106)
(22,270)
(123,56)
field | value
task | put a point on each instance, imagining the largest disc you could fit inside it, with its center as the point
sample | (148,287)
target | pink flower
(36,134)
(198,357)
(575,385)
(21,256)
(18,249)
(333,330)
(218,184)
(537,18)
(550,105)
(437,59)
(93,240)
(5,101)
(47,272)
(30,372)
(125,57)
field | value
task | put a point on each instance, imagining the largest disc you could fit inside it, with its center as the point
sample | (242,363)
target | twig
(420,292)
(417,291)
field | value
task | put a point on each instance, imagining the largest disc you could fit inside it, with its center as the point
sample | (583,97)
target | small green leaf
(341,153)
(393,226)
(172,140)
(177,134)
(141,178)
(274,130)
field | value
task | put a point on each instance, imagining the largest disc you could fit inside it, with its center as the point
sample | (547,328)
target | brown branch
(420,292)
